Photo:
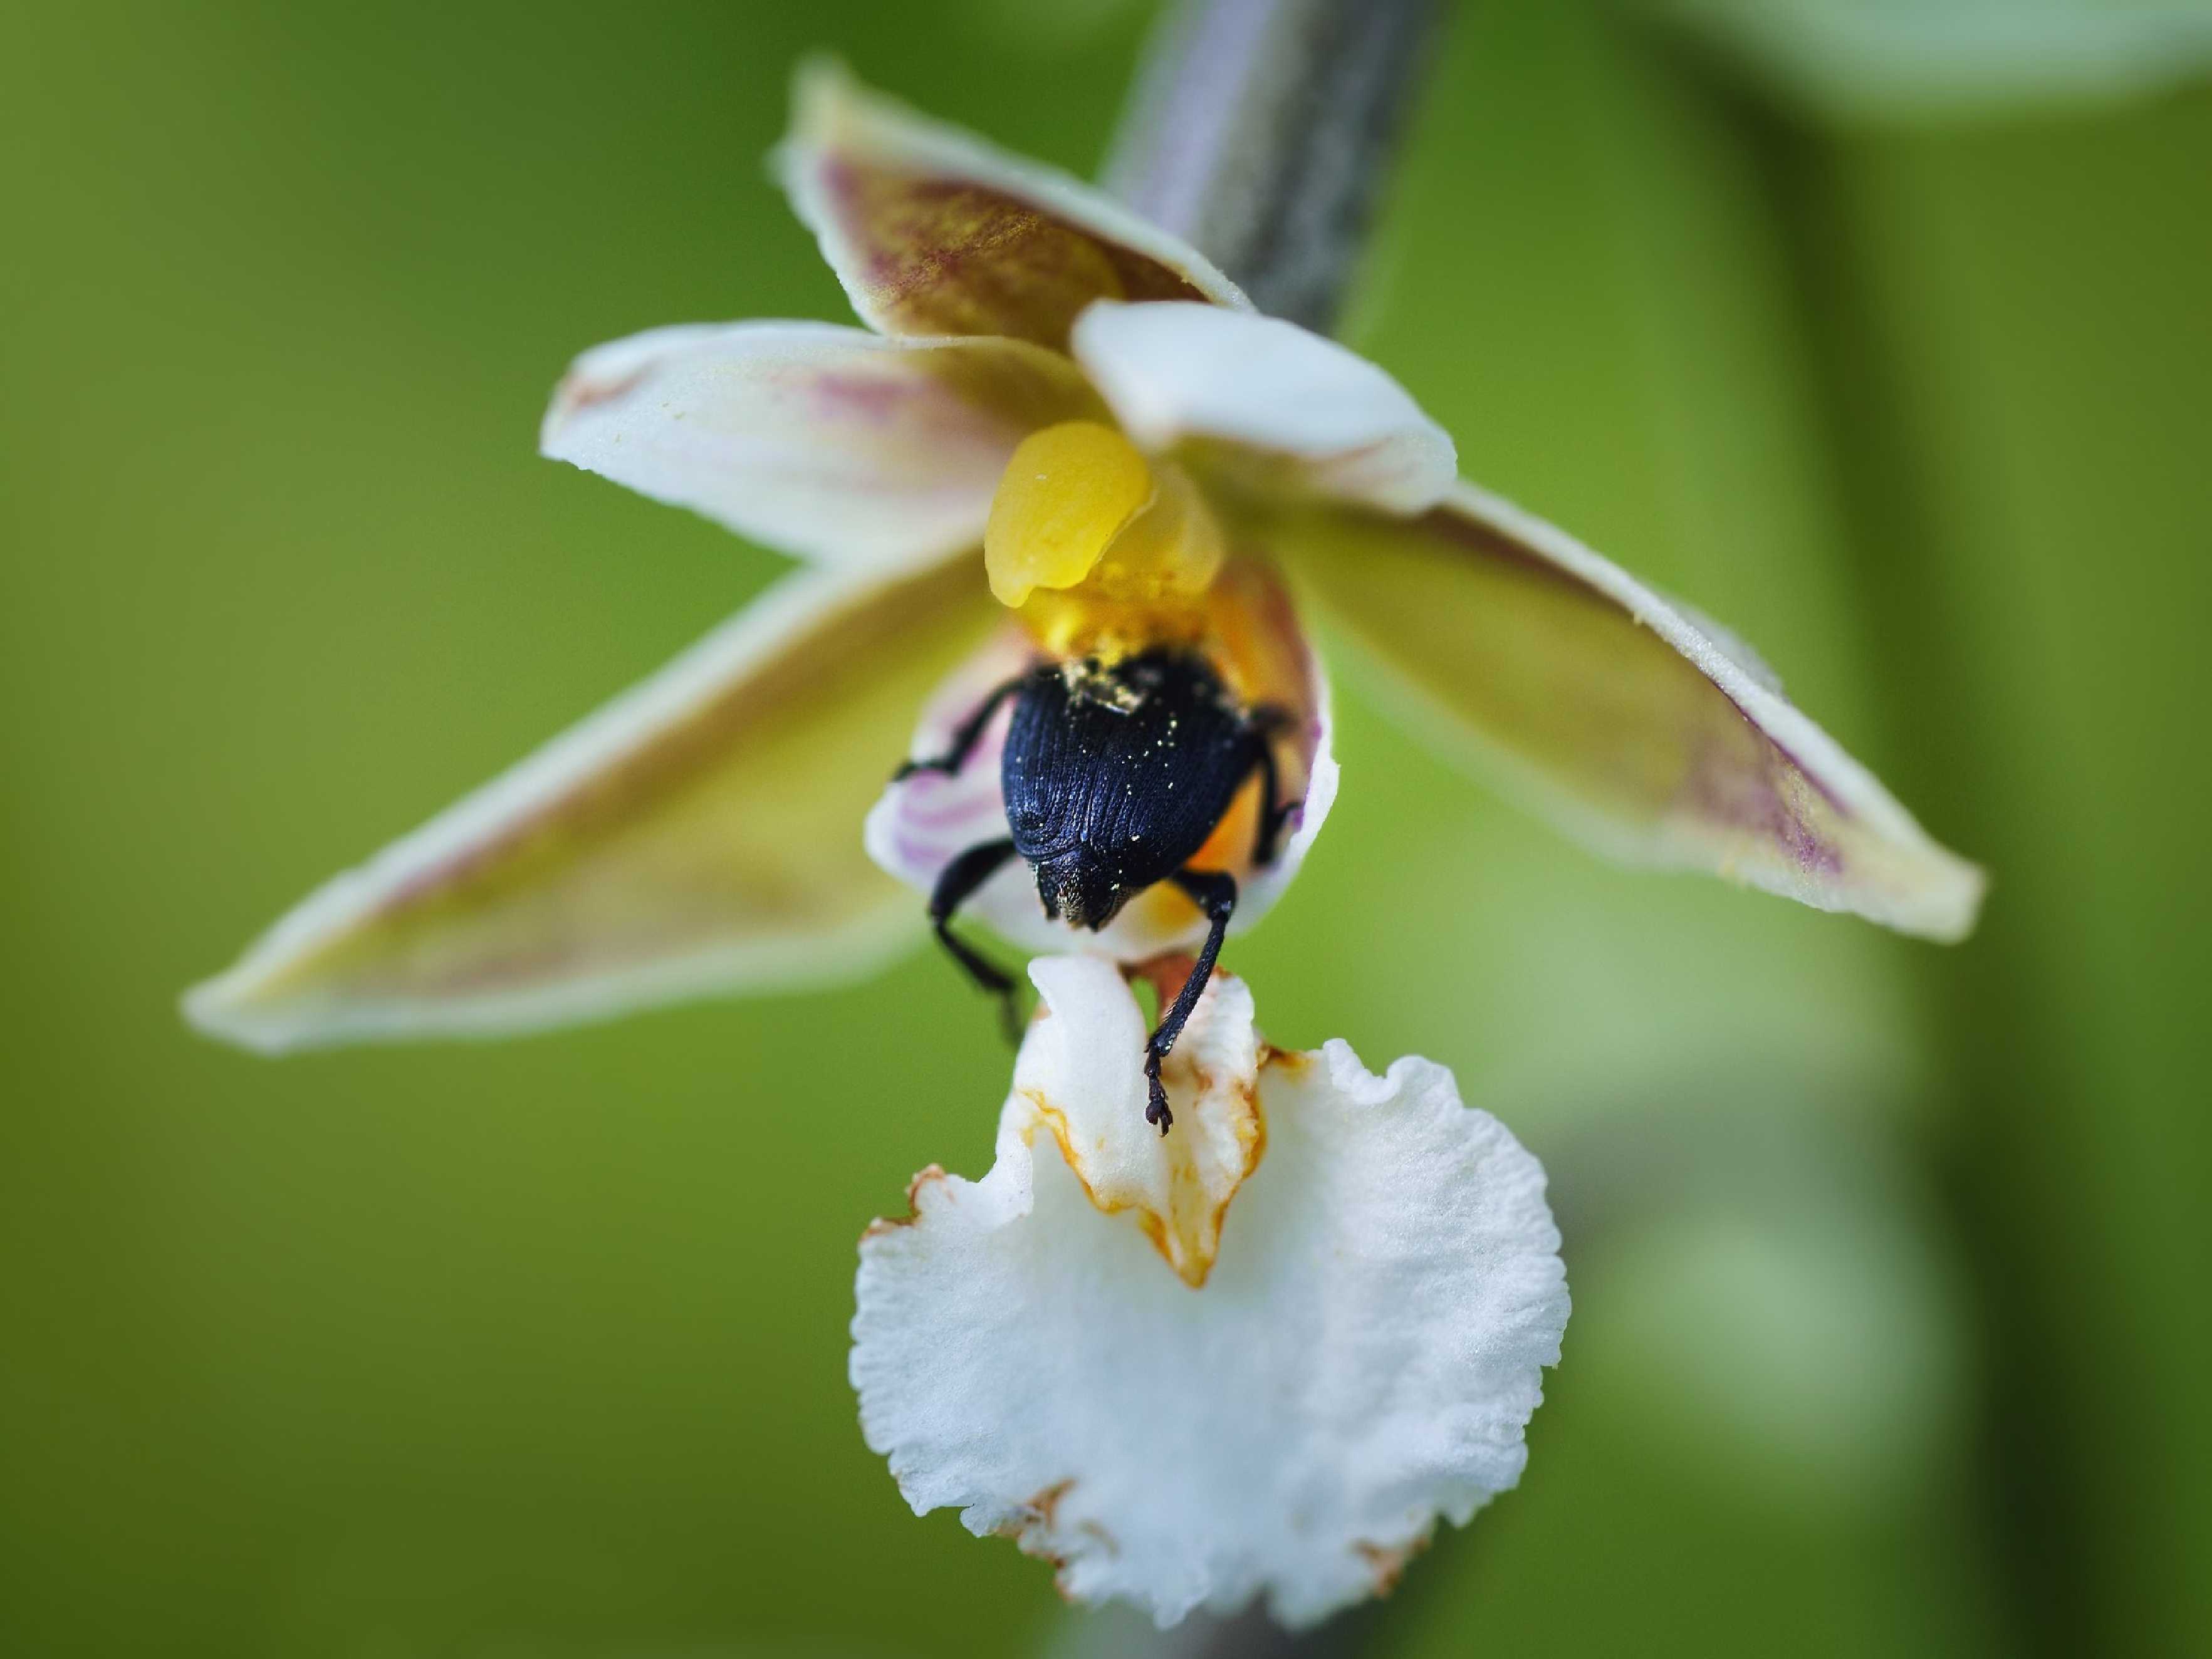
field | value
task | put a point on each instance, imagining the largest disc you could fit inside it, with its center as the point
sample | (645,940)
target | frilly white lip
(1039,1349)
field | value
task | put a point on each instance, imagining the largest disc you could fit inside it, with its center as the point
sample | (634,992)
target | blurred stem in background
(2028,583)
(1262,130)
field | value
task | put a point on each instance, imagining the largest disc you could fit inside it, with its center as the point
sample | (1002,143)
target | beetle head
(1079,888)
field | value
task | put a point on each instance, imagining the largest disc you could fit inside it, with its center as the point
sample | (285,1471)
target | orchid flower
(1064,436)
(1361,1358)
(1062,430)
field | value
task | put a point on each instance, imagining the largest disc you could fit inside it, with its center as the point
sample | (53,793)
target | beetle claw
(1155,1109)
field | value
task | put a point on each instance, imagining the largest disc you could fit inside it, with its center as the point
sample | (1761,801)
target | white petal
(1361,1361)
(828,443)
(923,823)
(697,835)
(932,231)
(1305,412)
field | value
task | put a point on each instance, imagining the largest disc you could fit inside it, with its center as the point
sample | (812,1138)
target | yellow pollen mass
(1065,495)
(1100,552)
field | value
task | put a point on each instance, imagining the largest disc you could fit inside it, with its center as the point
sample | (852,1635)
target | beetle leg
(1266,722)
(1274,812)
(965,736)
(956,885)
(1215,892)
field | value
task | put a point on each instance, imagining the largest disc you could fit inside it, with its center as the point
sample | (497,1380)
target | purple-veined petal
(1043,1350)
(924,822)
(1278,404)
(932,231)
(1619,717)
(828,443)
(700,834)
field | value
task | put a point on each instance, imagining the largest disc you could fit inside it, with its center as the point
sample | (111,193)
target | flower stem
(1262,129)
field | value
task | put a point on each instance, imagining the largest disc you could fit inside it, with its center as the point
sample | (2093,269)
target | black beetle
(1114,774)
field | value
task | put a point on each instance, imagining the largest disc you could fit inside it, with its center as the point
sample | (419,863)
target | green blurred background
(1889,1261)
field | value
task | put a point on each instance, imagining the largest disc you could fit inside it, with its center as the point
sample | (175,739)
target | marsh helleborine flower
(1066,435)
